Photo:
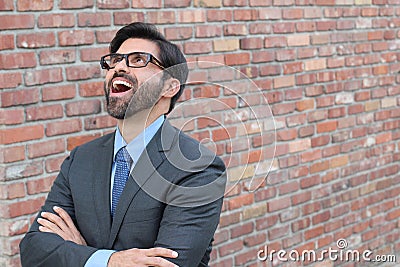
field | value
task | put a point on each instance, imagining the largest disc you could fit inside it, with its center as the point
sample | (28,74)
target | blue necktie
(122,168)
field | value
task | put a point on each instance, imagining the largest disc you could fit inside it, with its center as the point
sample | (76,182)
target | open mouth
(120,86)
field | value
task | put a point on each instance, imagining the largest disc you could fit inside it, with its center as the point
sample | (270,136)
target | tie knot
(123,155)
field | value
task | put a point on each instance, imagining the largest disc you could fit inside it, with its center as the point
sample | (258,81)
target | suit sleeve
(47,249)
(189,230)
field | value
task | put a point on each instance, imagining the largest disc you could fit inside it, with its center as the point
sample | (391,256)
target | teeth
(117,82)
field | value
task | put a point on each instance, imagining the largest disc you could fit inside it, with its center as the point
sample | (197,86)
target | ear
(171,88)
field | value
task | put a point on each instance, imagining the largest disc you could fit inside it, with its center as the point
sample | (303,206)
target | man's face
(126,89)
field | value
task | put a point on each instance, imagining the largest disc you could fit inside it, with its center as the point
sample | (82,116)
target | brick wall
(328,69)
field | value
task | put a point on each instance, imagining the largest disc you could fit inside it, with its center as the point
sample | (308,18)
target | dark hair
(170,54)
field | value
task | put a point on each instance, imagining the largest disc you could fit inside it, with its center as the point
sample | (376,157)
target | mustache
(133,80)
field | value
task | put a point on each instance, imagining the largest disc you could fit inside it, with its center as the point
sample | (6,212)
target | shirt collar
(139,143)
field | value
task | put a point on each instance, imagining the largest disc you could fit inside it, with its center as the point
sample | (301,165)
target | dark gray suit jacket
(152,212)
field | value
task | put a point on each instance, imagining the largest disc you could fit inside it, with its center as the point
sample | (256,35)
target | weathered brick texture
(329,70)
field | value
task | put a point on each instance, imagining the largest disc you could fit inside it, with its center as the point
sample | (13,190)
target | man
(165,212)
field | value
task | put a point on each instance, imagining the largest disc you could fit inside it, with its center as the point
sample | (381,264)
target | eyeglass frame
(150,58)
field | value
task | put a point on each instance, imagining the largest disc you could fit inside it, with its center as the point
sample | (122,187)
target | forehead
(138,45)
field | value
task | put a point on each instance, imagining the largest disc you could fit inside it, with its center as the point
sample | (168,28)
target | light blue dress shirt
(135,148)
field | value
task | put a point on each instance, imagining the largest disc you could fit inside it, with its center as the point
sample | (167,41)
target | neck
(135,124)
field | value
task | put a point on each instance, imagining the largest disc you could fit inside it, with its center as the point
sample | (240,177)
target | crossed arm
(61,224)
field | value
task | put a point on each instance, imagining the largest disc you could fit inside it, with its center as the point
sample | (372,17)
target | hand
(142,257)
(60,224)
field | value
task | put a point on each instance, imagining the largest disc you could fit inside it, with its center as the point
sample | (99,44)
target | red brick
(146,4)
(309,78)
(178,33)
(237,59)
(82,72)
(99,122)
(91,89)
(17,60)
(25,207)
(44,112)
(32,5)
(112,4)
(13,228)
(63,127)
(19,97)
(266,222)
(235,3)
(260,2)
(41,185)
(319,167)
(288,188)
(285,55)
(275,41)
(162,17)
(245,14)
(46,148)
(230,248)
(305,105)
(6,41)
(59,20)
(283,27)
(94,19)
(270,70)
(262,56)
(59,92)
(21,134)
(278,232)
(75,37)
(49,57)
(75,141)
(83,107)
(242,230)
(75,4)
(219,15)
(13,154)
(197,47)
(310,181)
(12,191)
(235,29)
(306,131)
(269,13)
(206,31)
(53,164)
(300,224)
(177,3)
(326,126)
(278,204)
(93,54)
(43,76)
(7,5)
(260,28)
(120,18)
(251,43)
(293,13)
(20,21)
(11,116)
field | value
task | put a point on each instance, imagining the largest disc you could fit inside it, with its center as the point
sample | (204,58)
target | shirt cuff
(99,258)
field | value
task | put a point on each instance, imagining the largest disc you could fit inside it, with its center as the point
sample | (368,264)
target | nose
(121,66)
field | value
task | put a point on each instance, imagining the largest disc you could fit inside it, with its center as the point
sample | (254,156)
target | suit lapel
(101,188)
(149,161)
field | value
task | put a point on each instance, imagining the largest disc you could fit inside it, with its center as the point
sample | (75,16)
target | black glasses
(134,60)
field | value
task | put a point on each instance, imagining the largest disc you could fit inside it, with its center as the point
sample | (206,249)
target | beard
(136,100)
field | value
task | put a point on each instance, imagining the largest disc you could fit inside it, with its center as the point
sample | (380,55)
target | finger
(158,262)
(50,227)
(65,216)
(57,220)
(161,252)
(45,229)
